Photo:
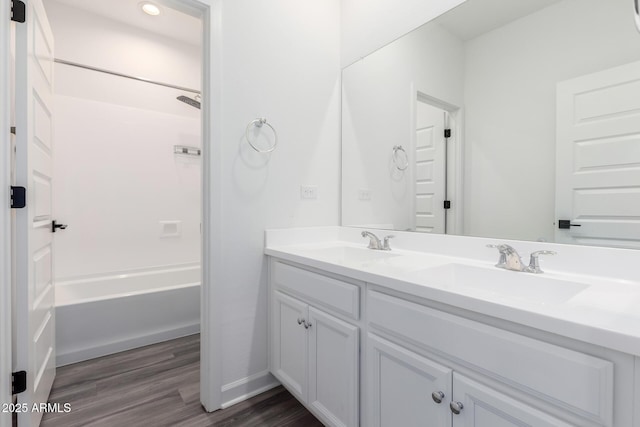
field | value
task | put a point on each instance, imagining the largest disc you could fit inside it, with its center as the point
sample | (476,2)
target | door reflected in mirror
(500,119)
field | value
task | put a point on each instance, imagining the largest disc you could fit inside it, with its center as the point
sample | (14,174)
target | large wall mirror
(501,118)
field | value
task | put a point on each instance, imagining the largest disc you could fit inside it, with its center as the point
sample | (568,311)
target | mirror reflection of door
(598,154)
(430,170)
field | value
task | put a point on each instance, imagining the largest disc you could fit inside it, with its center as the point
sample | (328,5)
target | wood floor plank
(151,413)
(132,394)
(120,362)
(138,390)
(158,386)
(190,393)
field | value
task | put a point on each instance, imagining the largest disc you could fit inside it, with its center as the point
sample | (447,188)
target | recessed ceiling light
(150,9)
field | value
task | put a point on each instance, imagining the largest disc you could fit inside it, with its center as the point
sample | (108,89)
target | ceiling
(170,23)
(475,17)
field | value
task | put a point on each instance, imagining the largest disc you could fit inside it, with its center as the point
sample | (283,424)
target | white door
(598,158)
(35,316)
(430,170)
(404,388)
(480,406)
(289,343)
(333,369)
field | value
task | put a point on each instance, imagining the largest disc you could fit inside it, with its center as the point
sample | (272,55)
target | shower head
(194,102)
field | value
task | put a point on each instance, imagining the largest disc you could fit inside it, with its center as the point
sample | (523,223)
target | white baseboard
(83,354)
(245,388)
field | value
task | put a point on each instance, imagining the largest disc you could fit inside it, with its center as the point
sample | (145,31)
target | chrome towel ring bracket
(259,122)
(397,158)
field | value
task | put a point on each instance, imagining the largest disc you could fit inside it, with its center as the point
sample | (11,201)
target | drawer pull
(456,407)
(437,396)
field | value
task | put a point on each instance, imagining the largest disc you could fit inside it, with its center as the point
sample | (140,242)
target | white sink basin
(497,283)
(348,254)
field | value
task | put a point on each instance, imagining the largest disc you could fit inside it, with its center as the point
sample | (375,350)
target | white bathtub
(103,315)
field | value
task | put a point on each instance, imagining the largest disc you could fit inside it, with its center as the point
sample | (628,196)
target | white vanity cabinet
(477,405)
(289,344)
(365,354)
(487,377)
(405,388)
(315,354)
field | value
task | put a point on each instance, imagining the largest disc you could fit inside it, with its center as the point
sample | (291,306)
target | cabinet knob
(437,396)
(304,323)
(456,407)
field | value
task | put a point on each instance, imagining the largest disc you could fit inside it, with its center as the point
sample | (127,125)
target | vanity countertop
(598,310)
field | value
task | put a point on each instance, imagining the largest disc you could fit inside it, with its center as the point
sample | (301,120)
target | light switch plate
(308,192)
(364,194)
(170,229)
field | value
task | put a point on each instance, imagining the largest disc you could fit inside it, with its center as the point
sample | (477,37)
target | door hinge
(18,382)
(447,204)
(13,130)
(18,11)
(447,133)
(18,197)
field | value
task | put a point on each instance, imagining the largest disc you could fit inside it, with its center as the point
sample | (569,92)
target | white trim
(5,215)
(80,355)
(413,142)
(456,171)
(245,388)
(211,336)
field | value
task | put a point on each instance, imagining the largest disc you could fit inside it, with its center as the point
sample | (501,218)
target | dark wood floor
(158,385)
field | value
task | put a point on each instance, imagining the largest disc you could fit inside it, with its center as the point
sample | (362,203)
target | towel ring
(258,123)
(400,166)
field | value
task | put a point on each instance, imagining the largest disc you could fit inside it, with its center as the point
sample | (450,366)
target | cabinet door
(289,344)
(400,384)
(333,369)
(484,407)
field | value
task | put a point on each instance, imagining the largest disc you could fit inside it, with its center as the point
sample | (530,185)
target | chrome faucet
(510,259)
(385,243)
(375,243)
(534,263)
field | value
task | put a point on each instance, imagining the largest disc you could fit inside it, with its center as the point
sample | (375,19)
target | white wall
(368,25)
(116,177)
(511,139)
(379,94)
(101,42)
(281,60)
